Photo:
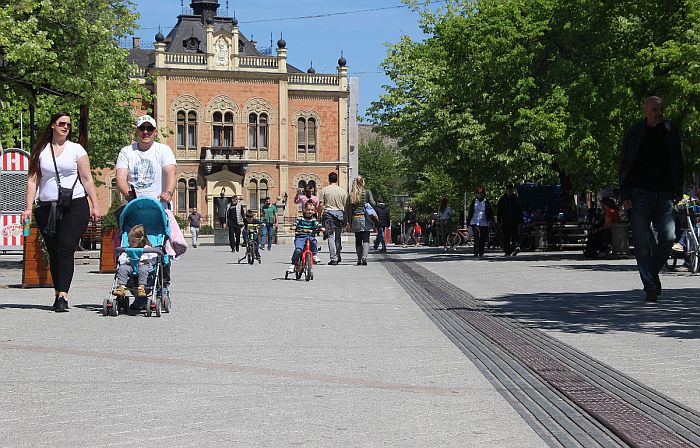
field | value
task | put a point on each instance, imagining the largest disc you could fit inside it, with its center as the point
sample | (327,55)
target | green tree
(69,46)
(538,89)
(384,170)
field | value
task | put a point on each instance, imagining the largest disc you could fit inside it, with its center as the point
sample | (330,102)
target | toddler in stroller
(144,231)
(144,264)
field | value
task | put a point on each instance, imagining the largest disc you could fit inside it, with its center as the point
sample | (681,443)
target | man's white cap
(145,119)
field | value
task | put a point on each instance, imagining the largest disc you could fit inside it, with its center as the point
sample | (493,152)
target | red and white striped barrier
(14,164)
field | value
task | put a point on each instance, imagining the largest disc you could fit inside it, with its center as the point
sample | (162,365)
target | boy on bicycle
(250,227)
(305,225)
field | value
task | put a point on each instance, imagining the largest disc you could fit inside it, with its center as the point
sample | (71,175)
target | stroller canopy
(149,213)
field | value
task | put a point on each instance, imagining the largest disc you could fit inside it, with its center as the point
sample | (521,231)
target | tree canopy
(70,46)
(543,90)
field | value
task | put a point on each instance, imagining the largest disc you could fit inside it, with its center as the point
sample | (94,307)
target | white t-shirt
(146,167)
(67,163)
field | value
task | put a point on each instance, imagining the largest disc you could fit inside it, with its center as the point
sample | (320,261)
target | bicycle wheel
(307,266)
(250,253)
(693,256)
(453,240)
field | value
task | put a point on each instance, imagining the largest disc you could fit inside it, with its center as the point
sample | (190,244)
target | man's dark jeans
(234,236)
(510,237)
(649,209)
(334,229)
(380,238)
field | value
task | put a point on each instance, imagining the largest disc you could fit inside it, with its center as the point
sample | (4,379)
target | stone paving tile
(245,359)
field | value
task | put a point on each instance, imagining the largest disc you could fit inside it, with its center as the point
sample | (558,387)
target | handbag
(371,214)
(65,195)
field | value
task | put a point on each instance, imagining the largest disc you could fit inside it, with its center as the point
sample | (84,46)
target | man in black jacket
(651,177)
(234,220)
(384,222)
(510,215)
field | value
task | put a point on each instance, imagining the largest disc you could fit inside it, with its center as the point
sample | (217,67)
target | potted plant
(35,267)
(109,232)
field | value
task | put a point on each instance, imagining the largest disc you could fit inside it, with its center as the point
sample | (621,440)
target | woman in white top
(54,161)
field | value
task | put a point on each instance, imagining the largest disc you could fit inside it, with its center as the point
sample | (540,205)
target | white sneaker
(291,268)
(317,260)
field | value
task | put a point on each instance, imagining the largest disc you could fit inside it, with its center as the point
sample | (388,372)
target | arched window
(228,129)
(258,131)
(181,196)
(262,128)
(186,130)
(263,192)
(192,130)
(253,194)
(222,129)
(180,129)
(306,138)
(217,129)
(192,193)
(252,131)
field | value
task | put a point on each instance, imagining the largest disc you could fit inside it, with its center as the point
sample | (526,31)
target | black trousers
(481,235)
(510,237)
(61,246)
(234,236)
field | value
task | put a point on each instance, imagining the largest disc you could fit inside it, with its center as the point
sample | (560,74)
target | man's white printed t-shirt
(146,167)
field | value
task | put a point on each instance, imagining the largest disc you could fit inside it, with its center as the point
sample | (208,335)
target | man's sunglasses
(64,124)
(147,129)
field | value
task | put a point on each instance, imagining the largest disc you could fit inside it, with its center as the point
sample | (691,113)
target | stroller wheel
(166,303)
(150,307)
(106,307)
(159,301)
(286,275)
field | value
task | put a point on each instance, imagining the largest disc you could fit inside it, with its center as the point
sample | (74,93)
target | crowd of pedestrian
(650,175)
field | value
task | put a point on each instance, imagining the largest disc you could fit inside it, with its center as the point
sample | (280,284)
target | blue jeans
(267,236)
(299,243)
(649,209)
(380,238)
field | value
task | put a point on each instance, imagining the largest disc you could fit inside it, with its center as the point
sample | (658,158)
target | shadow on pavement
(676,314)
(24,306)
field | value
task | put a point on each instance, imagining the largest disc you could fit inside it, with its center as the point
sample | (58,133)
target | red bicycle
(305,263)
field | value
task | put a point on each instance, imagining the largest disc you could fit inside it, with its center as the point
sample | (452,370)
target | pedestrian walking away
(651,177)
(510,216)
(360,222)
(384,223)
(444,216)
(194,219)
(234,221)
(480,218)
(332,202)
(147,169)
(60,170)
(269,211)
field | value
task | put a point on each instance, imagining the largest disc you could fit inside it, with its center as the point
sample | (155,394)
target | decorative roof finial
(342,62)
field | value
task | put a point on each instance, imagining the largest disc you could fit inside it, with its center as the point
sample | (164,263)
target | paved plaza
(353,358)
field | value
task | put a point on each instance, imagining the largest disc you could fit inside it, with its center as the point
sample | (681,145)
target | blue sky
(361,36)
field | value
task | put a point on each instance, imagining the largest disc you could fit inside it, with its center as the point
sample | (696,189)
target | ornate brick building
(240,121)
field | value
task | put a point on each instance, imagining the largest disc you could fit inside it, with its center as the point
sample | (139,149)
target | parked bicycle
(689,242)
(458,238)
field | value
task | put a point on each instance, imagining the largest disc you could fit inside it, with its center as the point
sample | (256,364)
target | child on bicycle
(305,225)
(137,238)
(250,227)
